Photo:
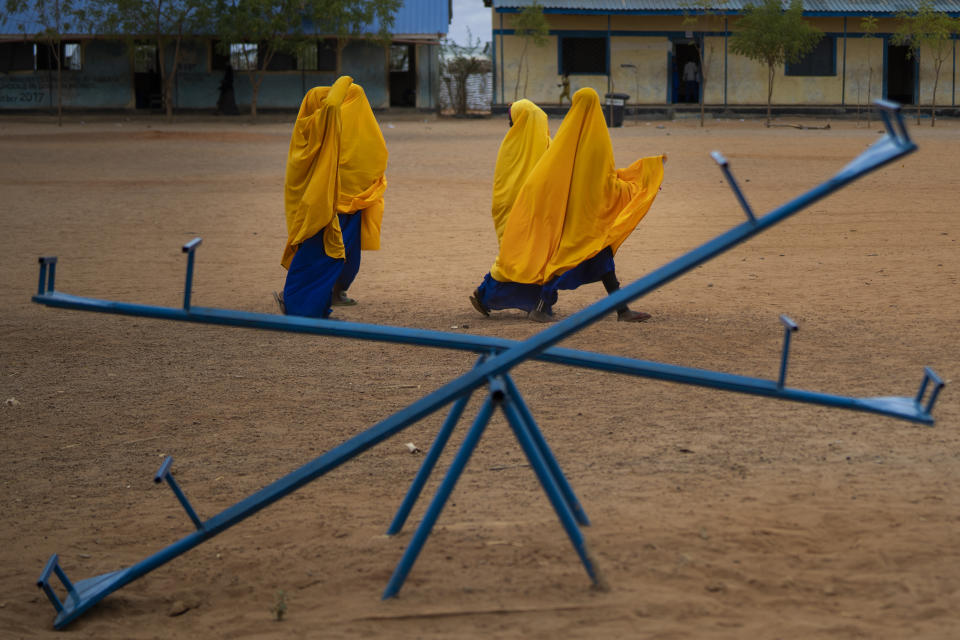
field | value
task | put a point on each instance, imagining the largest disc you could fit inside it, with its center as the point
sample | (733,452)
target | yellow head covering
(520,150)
(363,161)
(575,202)
(328,172)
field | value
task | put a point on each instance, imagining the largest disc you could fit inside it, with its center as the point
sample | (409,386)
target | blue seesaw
(492,370)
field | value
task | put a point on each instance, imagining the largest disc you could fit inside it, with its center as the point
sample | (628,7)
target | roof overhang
(812,8)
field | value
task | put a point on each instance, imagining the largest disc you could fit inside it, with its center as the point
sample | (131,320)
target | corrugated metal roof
(421,17)
(875,7)
(413,18)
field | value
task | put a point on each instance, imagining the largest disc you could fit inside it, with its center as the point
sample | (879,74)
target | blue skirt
(494,294)
(313,274)
(590,270)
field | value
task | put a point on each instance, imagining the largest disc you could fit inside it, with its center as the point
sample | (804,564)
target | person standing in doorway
(565,88)
(691,82)
(226,102)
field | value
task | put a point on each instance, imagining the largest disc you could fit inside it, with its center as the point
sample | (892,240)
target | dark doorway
(685,75)
(901,74)
(147,88)
(403,75)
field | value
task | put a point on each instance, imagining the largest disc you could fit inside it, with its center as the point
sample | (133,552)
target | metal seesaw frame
(497,357)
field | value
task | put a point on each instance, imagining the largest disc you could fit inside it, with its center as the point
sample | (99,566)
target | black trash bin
(613,108)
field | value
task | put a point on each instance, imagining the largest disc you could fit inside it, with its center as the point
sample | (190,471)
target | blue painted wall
(428,75)
(195,86)
(106,82)
(107,78)
(366,63)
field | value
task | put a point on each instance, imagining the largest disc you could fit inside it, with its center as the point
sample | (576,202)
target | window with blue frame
(822,61)
(580,54)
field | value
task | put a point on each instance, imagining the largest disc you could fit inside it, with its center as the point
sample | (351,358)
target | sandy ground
(714,515)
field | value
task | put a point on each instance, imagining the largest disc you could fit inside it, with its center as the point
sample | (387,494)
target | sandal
(542,313)
(629,315)
(479,306)
(278,298)
(340,299)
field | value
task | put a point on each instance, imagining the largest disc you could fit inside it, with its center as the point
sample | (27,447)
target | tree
(706,15)
(457,64)
(254,31)
(346,21)
(772,36)
(52,18)
(165,22)
(926,30)
(868,25)
(532,27)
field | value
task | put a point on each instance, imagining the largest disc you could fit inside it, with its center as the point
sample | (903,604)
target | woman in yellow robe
(569,218)
(521,148)
(333,195)
(525,142)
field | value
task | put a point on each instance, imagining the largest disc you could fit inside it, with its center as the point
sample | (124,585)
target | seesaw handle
(789,327)
(725,167)
(189,249)
(45,263)
(53,566)
(163,473)
(930,376)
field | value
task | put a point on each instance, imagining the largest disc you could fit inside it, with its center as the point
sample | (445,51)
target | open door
(901,74)
(403,75)
(147,87)
(685,74)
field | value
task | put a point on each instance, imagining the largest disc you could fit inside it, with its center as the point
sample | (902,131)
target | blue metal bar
(45,262)
(189,249)
(429,462)
(164,474)
(929,376)
(482,344)
(532,451)
(95,589)
(43,277)
(789,326)
(444,491)
(725,167)
(558,476)
(893,121)
(53,566)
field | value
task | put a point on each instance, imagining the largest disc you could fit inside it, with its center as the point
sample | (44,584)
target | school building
(642,47)
(101,73)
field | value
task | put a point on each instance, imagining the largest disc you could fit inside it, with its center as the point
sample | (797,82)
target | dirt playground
(714,514)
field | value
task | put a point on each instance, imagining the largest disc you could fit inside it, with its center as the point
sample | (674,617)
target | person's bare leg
(624,313)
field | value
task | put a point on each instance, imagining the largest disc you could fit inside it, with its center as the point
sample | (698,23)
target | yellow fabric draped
(335,164)
(520,150)
(363,162)
(574,202)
